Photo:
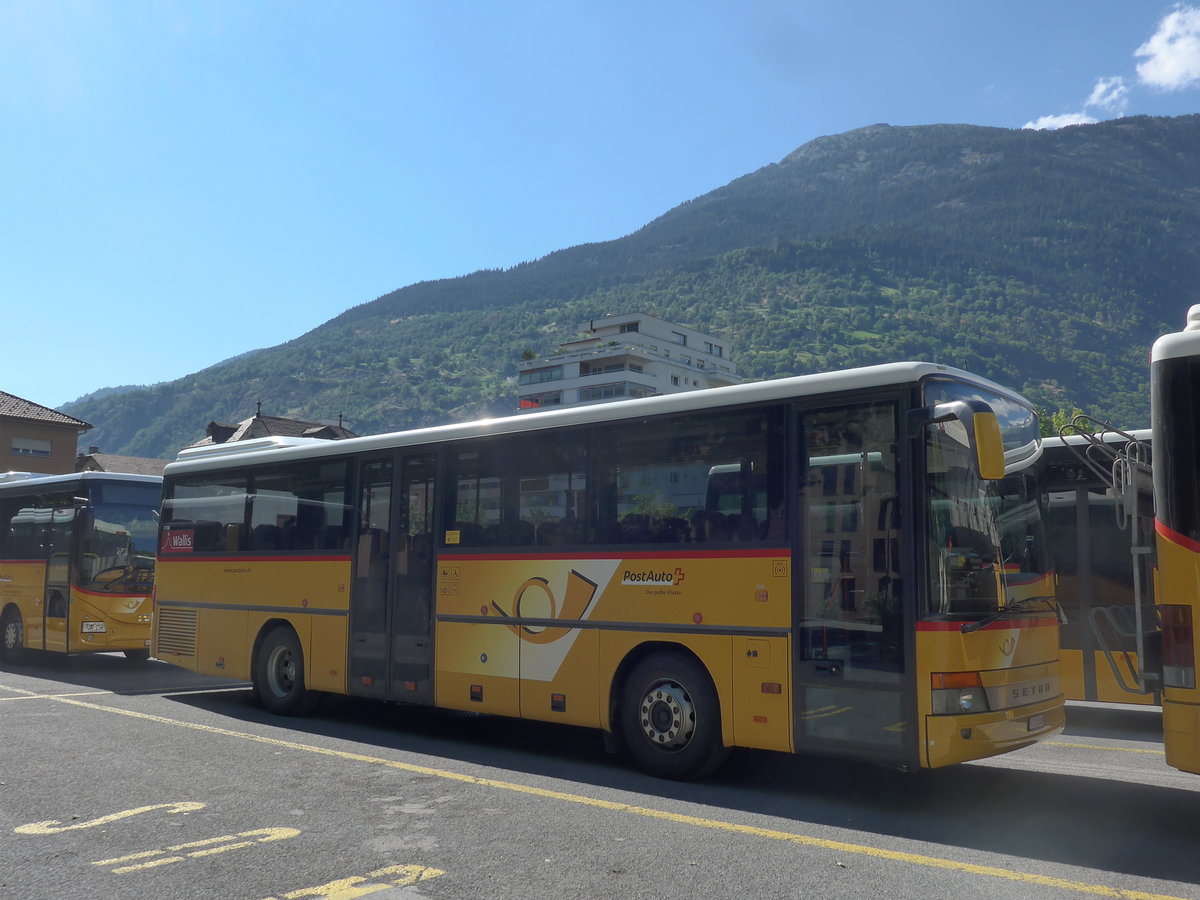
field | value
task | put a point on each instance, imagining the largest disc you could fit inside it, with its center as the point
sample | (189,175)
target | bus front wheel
(671,718)
(12,636)
(279,675)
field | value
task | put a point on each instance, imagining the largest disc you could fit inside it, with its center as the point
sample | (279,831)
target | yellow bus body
(122,620)
(611,609)
(312,595)
(1179,580)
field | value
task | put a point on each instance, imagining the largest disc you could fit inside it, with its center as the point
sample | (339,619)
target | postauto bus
(848,563)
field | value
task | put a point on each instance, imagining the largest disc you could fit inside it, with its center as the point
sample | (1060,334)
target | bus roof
(223,456)
(1180,344)
(21,482)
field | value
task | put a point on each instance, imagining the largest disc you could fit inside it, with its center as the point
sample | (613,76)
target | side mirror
(974,424)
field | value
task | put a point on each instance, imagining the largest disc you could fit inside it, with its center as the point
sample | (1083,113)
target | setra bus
(1100,524)
(1175,426)
(77,556)
(845,563)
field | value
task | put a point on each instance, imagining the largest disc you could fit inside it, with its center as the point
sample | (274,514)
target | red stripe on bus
(640,554)
(245,560)
(992,626)
(1176,538)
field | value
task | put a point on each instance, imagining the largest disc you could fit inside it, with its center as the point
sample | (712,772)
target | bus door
(850,666)
(57,603)
(391,644)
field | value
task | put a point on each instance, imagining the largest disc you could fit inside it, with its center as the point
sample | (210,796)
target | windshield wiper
(1013,609)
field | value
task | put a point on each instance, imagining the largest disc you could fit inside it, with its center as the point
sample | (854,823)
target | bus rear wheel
(137,655)
(12,636)
(671,718)
(279,675)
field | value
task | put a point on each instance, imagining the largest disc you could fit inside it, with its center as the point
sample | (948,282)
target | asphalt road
(130,780)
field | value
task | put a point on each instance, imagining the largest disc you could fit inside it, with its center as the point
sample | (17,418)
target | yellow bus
(846,563)
(1175,426)
(1101,526)
(77,556)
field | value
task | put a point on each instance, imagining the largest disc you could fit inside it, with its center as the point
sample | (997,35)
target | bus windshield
(121,539)
(986,544)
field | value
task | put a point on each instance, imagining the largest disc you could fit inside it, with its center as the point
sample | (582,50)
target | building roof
(14,407)
(112,462)
(271,426)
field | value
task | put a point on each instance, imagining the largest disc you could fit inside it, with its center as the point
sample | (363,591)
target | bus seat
(209,535)
(266,537)
(333,537)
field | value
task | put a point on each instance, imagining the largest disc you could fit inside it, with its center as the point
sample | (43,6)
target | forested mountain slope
(1046,260)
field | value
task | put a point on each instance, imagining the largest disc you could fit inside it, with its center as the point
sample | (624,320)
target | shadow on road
(1075,820)
(113,672)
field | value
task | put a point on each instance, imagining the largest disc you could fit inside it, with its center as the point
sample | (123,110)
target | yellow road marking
(359,886)
(1080,887)
(32,696)
(54,826)
(1101,747)
(201,848)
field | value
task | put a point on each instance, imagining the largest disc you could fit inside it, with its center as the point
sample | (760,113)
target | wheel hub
(667,715)
(281,671)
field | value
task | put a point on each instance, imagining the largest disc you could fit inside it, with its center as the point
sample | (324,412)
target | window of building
(537,401)
(24,446)
(537,376)
(614,391)
(629,326)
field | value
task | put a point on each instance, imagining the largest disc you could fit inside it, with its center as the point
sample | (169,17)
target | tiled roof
(13,407)
(269,426)
(113,462)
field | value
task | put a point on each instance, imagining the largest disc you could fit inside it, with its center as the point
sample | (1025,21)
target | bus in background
(1175,425)
(77,556)
(1101,519)
(848,563)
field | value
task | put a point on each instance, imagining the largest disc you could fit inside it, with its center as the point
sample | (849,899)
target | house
(95,461)
(35,438)
(259,426)
(633,355)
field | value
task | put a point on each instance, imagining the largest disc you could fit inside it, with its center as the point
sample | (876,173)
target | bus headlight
(94,628)
(958,701)
(956,693)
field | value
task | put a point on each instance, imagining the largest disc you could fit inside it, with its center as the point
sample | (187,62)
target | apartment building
(633,355)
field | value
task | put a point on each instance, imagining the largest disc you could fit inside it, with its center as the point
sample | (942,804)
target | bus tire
(12,636)
(279,675)
(671,718)
(137,655)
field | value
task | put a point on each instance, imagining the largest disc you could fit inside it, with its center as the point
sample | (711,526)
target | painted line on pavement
(1013,875)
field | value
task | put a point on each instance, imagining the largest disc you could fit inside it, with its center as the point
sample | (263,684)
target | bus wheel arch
(12,634)
(278,671)
(667,712)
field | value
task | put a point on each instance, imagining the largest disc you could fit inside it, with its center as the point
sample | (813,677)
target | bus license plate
(1036,723)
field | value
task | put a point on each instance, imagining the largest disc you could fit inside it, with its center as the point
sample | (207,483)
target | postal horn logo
(537,594)
(652,577)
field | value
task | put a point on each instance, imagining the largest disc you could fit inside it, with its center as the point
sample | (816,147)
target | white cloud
(1110,95)
(1172,55)
(1062,121)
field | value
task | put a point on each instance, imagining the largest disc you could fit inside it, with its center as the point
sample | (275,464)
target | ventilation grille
(176,631)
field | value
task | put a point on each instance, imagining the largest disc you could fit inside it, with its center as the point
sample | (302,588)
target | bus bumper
(955,739)
(1181,735)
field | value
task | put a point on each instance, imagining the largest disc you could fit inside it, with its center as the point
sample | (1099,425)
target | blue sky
(185,181)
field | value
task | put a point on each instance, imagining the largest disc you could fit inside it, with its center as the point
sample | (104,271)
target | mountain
(1046,260)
